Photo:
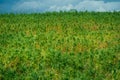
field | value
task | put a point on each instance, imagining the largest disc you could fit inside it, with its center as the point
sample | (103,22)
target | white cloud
(101,9)
(58,8)
(89,5)
(100,6)
(56,5)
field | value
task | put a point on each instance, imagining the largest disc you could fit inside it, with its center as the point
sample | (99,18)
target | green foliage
(60,46)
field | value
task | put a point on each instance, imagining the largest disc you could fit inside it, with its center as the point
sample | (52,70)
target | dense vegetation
(60,46)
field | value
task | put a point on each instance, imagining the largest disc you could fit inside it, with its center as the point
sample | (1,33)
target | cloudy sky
(7,6)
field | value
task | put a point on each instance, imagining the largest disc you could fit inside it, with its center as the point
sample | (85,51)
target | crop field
(60,46)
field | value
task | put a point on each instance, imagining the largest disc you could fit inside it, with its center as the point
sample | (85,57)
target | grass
(60,46)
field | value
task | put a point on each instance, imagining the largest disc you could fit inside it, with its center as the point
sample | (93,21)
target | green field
(60,46)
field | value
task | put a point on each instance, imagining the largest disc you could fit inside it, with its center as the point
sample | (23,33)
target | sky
(26,6)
